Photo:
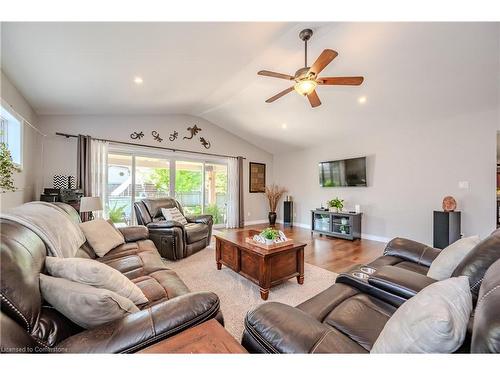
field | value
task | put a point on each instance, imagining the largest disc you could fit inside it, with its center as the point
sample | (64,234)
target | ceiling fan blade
(268,73)
(279,95)
(354,81)
(322,61)
(314,99)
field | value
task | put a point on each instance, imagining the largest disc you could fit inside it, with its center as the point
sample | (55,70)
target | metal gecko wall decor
(173,136)
(193,130)
(205,143)
(156,136)
(136,135)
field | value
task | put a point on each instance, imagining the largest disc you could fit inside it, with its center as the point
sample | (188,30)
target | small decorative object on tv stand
(345,225)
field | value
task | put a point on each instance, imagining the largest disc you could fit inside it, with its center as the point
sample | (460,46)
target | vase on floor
(272,218)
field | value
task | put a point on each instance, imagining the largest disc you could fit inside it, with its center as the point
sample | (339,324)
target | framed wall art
(257,178)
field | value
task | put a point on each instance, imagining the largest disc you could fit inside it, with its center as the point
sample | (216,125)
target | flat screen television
(339,173)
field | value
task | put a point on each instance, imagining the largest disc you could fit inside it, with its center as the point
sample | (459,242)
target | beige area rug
(237,294)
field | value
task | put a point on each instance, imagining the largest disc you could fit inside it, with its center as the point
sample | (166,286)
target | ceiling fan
(306,78)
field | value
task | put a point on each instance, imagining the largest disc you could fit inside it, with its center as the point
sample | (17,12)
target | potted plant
(336,205)
(269,235)
(7,169)
(273,194)
(343,229)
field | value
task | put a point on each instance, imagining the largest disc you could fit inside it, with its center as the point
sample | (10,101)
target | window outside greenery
(152,180)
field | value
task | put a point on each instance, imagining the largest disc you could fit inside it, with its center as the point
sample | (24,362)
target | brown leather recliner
(28,324)
(174,240)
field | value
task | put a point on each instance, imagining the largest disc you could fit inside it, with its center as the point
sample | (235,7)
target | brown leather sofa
(173,240)
(29,325)
(349,316)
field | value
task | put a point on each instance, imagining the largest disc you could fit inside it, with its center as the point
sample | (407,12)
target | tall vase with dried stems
(273,194)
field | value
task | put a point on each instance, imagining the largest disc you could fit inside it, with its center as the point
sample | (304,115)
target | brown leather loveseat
(28,324)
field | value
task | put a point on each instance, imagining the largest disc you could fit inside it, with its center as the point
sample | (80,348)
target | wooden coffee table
(265,268)
(207,337)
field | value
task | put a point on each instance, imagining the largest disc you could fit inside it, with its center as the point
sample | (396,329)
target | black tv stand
(344,225)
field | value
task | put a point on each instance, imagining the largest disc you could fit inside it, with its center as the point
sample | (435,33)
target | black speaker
(446,228)
(288,213)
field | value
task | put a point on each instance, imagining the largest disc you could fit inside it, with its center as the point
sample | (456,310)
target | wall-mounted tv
(339,173)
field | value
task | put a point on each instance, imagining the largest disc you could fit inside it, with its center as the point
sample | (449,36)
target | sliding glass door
(152,178)
(199,186)
(119,192)
(189,186)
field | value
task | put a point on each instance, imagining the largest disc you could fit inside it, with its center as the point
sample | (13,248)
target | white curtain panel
(233,193)
(99,172)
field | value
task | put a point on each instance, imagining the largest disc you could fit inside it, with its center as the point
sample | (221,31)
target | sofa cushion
(196,232)
(94,273)
(389,260)
(141,263)
(433,321)
(361,318)
(448,259)
(101,235)
(173,214)
(85,305)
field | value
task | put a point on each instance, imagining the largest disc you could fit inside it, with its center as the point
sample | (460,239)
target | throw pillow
(450,257)
(433,321)
(85,305)
(101,236)
(94,273)
(174,214)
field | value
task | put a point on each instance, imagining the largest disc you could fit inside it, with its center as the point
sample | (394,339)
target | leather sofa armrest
(412,251)
(164,224)
(399,281)
(146,327)
(278,328)
(201,219)
(134,233)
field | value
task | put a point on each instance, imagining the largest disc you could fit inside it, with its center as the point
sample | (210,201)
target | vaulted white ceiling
(418,70)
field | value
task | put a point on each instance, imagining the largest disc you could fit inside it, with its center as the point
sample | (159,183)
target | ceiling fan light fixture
(305,86)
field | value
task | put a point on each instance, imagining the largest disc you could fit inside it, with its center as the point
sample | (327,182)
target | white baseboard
(365,236)
(253,222)
(373,237)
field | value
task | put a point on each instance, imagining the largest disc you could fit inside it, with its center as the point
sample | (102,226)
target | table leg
(218,255)
(300,266)
(264,277)
(264,293)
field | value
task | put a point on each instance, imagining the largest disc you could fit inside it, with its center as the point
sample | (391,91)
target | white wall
(27,181)
(411,166)
(60,153)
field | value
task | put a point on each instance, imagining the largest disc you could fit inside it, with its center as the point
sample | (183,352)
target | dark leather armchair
(173,240)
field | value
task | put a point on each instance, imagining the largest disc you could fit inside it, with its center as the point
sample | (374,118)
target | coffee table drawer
(229,254)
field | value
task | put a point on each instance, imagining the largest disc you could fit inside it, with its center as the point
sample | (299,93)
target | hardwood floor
(333,254)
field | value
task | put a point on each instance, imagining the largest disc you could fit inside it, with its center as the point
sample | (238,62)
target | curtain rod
(11,108)
(157,147)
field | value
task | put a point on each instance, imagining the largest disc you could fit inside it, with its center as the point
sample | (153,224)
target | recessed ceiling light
(362,99)
(283,126)
(138,80)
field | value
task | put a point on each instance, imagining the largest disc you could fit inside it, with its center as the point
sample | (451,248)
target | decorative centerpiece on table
(336,205)
(269,238)
(273,194)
